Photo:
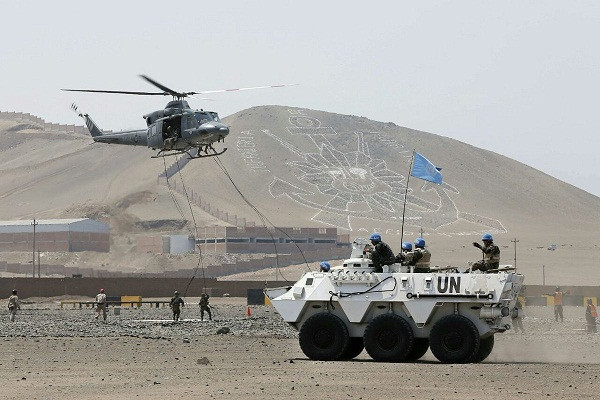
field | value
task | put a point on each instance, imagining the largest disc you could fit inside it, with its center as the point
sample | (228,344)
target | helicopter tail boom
(91,125)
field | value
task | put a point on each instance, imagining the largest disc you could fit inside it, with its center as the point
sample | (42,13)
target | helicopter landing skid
(206,155)
(163,153)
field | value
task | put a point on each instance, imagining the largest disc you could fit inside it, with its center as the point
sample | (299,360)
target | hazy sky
(517,77)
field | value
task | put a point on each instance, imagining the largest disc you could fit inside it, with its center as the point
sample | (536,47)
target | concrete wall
(46,126)
(145,287)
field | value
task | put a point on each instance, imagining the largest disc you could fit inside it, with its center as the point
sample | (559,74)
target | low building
(53,235)
(231,239)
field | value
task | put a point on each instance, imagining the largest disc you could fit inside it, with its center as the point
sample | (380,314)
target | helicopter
(175,130)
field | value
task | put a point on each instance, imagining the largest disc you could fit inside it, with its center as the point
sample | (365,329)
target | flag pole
(405,194)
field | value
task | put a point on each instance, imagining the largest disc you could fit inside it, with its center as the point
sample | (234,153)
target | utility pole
(544,275)
(39,265)
(34,225)
(515,242)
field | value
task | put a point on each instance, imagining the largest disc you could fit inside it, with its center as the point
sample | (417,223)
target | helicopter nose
(223,130)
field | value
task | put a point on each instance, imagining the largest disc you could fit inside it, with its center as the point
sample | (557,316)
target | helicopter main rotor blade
(240,89)
(163,87)
(118,92)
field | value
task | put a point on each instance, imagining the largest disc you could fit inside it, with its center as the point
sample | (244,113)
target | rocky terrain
(51,352)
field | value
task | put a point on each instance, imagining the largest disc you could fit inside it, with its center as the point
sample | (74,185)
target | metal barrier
(136,304)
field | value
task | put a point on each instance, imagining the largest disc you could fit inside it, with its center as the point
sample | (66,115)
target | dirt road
(552,360)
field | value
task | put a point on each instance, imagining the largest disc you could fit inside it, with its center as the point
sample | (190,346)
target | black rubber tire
(454,339)
(324,337)
(388,338)
(419,349)
(355,347)
(485,348)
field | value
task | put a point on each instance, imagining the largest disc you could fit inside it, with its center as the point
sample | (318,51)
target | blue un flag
(424,169)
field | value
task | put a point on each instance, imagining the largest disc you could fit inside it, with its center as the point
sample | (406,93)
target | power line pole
(544,275)
(515,242)
(34,225)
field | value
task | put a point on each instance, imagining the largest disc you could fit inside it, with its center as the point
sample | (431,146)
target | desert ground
(51,352)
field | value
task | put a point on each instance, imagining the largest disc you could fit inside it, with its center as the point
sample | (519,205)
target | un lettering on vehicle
(448,284)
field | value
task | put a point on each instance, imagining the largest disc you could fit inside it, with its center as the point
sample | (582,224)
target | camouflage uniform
(101,305)
(491,257)
(204,306)
(419,258)
(382,255)
(13,306)
(176,303)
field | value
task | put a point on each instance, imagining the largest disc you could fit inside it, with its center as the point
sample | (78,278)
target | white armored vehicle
(398,314)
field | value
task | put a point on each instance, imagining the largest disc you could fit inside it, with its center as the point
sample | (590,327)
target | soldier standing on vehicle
(13,305)
(204,306)
(590,317)
(324,266)
(176,303)
(101,305)
(491,254)
(381,253)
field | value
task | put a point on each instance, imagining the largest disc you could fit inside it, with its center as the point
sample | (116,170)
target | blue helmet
(376,237)
(487,236)
(407,246)
(419,242)
(325,266)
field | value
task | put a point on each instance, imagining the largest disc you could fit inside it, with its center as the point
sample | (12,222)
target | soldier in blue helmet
(381,253)
(491,254)
(401,258)
(419,257)
(324,266)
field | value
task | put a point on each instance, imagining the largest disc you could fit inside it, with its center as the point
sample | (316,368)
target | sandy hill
(304,167)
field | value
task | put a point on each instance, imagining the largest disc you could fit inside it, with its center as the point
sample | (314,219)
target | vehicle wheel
(454,339)
(419,349)
(324,337)
(355,347)
(388,338)
(485,348)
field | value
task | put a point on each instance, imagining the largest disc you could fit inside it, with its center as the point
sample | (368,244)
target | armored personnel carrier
(398,314)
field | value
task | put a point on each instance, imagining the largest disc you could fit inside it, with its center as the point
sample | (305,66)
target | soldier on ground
(381,253)
(324,266)
(176,303)
(13,305)
(518,320)
(204,306)
(558,304)
(590,317)
(491,254)
(101,305)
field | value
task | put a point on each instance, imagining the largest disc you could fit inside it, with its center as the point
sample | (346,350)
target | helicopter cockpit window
(202,117)
(192,122)
(215,116)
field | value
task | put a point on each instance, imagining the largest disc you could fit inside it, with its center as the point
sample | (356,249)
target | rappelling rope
(200,263)
(263,218)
